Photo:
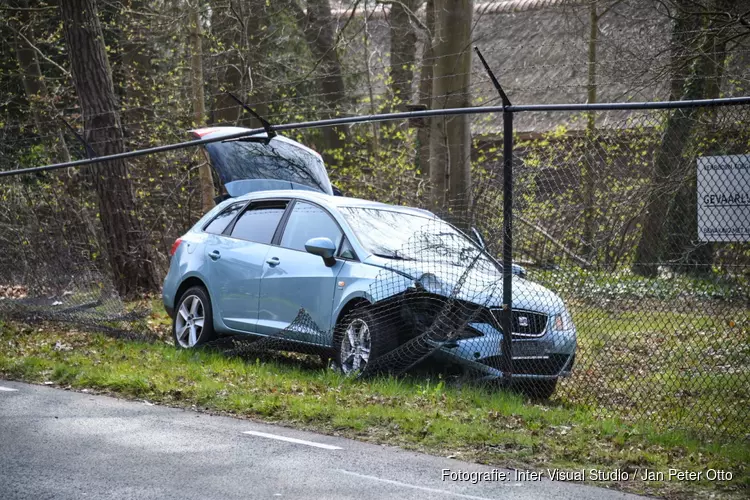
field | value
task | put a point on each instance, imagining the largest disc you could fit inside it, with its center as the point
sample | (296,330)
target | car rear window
(258,223)
(221,221)
(280,160)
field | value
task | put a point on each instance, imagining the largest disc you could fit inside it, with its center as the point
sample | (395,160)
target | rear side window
(221,221)
(309,221)
(259,223)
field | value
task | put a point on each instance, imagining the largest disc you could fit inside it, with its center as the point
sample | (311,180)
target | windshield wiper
(394,256)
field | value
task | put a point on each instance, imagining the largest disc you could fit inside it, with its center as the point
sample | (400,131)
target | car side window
(259,222)
(309,221)
(221,221)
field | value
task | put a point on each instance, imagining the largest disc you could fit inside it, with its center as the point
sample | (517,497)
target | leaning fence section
(623,230)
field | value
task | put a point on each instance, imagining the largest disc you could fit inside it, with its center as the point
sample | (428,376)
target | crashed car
(368,278)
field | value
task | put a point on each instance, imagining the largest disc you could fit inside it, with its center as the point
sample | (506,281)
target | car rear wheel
(193,320)
(360,339)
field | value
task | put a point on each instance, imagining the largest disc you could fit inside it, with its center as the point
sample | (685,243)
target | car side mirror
(478,238)
(519,271)
(322,247)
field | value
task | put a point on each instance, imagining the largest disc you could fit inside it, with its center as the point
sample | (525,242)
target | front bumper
(549,356)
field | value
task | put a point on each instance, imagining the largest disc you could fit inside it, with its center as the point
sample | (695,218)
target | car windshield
(244,160)
(403,236)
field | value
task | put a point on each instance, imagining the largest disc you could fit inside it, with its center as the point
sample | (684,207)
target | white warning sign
(724,198)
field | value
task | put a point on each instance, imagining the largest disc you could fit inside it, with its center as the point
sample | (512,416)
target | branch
(301,16)
(411,13)
(27,9)
(602,13)
(41,54)
(583,262)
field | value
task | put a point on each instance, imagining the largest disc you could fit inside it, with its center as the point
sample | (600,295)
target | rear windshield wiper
(251,138)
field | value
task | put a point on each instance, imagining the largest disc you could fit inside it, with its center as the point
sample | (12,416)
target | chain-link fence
(641,228)
(626,240)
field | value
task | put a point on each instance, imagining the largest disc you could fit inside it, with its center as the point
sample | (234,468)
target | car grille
(550,365)
(524,323)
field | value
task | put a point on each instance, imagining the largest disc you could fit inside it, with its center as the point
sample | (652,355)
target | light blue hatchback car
(264,254)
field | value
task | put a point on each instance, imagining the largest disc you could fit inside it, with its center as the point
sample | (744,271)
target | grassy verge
(467,422)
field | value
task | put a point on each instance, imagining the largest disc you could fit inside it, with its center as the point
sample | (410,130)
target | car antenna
(90,153)
(270,132)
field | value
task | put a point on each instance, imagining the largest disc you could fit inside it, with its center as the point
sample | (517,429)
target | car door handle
(273,261)
(214,255)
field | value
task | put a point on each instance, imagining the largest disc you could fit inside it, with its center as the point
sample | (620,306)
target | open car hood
(244,166)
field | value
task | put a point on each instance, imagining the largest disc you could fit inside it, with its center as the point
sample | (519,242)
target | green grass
(682,370)
(469,422)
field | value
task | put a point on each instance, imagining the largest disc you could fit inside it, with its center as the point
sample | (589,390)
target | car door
(294,279)
(235,260)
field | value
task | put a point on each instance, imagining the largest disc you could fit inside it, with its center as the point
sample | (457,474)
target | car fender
(358,281)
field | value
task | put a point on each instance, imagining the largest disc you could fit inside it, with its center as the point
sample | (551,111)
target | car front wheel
(360,340)
(193,320)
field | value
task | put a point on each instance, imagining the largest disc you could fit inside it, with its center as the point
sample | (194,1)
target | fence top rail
(729,101)
(605,106)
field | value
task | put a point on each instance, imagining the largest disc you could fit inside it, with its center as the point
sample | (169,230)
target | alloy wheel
(189,321)
(355,347)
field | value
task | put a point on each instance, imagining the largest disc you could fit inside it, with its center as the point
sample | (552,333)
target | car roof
(333,201)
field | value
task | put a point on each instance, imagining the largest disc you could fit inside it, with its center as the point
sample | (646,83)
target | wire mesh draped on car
(633,236)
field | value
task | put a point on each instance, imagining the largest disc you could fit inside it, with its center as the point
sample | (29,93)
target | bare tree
(425,89)
(33,81)
(403,49)
(133,269)
(696,72)
(199,99)
(450,137)
(319,29)
(597,10)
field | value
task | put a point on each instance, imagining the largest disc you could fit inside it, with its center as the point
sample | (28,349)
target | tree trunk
(683,249)
(374,145)
(133,269)
(450,136)
(318,27)
(425,91)
(199,101)
(229,66)
(589,176)
(669,168)
(403,51)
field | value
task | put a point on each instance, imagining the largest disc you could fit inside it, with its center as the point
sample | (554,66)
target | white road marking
(7,389)
(293,440)
(413,486)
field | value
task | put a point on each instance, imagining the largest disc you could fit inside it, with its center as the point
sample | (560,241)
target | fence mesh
(630,289)
(641,229)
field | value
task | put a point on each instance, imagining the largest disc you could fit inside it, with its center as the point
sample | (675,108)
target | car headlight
(432,284)
(562,322)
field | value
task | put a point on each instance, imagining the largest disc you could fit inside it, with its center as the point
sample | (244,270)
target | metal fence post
(507,322)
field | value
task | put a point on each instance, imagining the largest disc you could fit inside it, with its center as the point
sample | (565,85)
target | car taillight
(175,245)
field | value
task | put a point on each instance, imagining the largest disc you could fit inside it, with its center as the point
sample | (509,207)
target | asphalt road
(60,444)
